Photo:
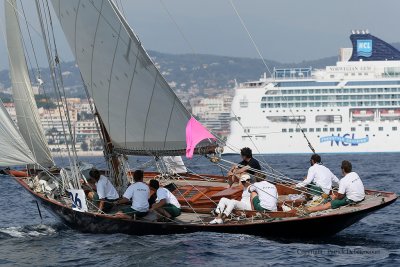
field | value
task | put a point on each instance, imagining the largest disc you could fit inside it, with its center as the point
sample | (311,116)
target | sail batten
(139,109)
(28,119)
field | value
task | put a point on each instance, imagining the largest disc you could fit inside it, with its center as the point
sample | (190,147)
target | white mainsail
(139,109)
(13,149)
(25,105)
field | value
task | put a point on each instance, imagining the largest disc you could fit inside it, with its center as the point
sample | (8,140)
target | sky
(284,30)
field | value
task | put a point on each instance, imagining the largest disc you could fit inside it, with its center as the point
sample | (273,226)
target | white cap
(245,177)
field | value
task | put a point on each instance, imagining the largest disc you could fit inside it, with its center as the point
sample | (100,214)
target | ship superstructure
(353,106)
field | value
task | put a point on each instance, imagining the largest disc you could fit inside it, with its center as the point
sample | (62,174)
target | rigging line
(19,13)
(27,56)
(262,58)
(250,36)
(36,62)
(311,191)
(280,178)
(194,211)
(191,47)
(118,3)
(53,76)
(30,38)
(91,105)
(187,182)
(205,178)
(277,198)
(179,29)
(63,89)
(267,174)
(251,140)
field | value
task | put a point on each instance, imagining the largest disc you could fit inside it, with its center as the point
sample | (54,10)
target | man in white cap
(225,205)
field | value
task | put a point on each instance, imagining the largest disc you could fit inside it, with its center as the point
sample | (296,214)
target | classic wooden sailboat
(139,114)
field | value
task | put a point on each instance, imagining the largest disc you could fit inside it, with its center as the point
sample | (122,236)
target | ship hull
(304,227)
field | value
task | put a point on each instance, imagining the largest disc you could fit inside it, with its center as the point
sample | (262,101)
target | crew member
(106,193)
(225,205)
(264,195)
(351,190)
(139,194)
(319,178)
(248,165)
(166,203)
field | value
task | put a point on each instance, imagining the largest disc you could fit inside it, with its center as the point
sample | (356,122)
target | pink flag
(195,133)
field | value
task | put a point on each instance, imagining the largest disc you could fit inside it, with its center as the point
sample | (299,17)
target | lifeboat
(362,113)
(391,113)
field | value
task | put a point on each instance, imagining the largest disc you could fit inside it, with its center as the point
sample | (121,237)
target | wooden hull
(304,227)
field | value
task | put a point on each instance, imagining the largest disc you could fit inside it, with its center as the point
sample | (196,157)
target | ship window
(318,129)
(311,130)
(325,129)
(263,105)
(394,128)
(284,130)
(339,129)
(366,129)
(353,129)
(244,103)
(297,130)
(291,130)
(264,98)
(380,128)
(332,129)
(305,130)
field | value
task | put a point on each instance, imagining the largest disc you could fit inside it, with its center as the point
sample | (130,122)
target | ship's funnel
(367,47)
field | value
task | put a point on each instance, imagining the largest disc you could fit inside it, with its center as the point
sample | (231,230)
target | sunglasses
(243,182)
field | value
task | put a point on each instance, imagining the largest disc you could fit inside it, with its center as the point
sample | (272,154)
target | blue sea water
(25,240)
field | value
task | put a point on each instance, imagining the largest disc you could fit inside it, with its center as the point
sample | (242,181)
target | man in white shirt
(138,193)
(351,190)
(319,178)
(225,205)
(166,203)
(264,196)
(106,193)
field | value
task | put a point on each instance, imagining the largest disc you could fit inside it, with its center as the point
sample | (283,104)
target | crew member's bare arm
(159,204)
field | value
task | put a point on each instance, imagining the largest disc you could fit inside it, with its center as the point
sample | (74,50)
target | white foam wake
(28,231)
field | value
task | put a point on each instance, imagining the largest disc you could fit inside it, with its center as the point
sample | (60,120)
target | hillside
(187,71)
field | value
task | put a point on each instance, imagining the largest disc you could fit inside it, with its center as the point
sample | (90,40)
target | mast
(109,154)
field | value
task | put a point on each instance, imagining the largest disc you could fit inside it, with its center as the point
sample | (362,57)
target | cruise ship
(352,107)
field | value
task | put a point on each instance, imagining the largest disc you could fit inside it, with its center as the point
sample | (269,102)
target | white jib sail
(13,149)
(28,119)
(174,164)
(139,109)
